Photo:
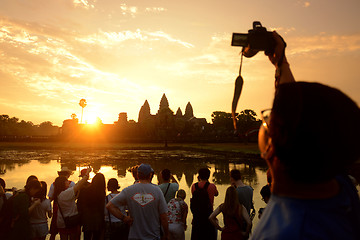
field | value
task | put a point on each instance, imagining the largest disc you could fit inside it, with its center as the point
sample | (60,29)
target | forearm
(115,211)
(213,220)
(80,184)
(283,73)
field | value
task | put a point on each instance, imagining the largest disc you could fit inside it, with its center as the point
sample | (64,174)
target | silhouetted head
(30,178)
(315,131)
(134,172)
(61,184)
(181,194)
(265,193)
(204,173)
(2,183)
(165,174)
(65,171)
(235,174)
(32,187)
(145,171)
(98,182)
(113,184)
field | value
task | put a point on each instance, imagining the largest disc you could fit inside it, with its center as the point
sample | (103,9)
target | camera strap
(237,92)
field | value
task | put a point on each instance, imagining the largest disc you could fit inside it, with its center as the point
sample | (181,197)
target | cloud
(329,44)
(155,9)
(83,4)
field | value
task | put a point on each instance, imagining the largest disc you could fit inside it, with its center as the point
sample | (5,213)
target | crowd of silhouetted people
(141,211)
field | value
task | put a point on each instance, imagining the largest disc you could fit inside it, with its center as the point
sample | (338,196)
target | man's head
(145,171)
(204,173)
(265,193)
(165,174)
(314,131)
(235,174)
(65,171)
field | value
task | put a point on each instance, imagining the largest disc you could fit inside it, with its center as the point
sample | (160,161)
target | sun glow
(91,118)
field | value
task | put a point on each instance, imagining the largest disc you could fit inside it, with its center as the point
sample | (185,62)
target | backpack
(200,204)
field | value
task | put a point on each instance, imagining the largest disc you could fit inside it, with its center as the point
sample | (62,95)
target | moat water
(17,165)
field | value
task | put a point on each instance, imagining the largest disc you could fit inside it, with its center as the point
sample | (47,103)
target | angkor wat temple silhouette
(163,124)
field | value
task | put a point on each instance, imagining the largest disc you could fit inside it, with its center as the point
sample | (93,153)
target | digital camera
(257,39)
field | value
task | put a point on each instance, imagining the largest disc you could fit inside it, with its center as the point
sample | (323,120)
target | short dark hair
(113,184)
(165,174)
(235,174)
(204,173)
(265,191)
(2,183)
(30,178)
(315,131)
(32,184)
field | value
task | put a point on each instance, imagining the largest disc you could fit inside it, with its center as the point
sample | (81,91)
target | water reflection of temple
(183,164)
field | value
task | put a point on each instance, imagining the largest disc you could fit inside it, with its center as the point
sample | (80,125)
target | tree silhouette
(73,116)
(82,104)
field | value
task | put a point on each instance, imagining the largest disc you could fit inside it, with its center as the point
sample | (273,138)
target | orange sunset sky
(116,54)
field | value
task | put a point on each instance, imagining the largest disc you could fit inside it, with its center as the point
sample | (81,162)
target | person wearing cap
(147,207)
(65,171)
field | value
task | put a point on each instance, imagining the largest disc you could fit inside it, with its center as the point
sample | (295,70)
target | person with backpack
(201,206)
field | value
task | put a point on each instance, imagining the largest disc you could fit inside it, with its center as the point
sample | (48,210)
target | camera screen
(239,39)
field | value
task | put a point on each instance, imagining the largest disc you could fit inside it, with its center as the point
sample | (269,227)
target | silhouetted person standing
(201,205)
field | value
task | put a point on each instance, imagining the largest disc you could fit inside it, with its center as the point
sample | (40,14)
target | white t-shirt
(145,202)
(38,215)
(66,201)
(171,191)
(51,190)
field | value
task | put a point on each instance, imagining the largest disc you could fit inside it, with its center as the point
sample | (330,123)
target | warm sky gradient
(116,54)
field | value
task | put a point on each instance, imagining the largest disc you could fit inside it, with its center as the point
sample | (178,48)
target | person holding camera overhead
(309,139)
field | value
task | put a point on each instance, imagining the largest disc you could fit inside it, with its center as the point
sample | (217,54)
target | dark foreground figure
(309,140)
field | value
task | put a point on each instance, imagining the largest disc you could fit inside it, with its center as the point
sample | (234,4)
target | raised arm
(283,73)
(80,184)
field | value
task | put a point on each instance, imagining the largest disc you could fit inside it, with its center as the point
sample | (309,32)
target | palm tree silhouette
(82,104)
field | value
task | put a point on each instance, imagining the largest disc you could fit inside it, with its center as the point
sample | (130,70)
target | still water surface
(17,165)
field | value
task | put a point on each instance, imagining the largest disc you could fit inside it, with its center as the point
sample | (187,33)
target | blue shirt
(333,218)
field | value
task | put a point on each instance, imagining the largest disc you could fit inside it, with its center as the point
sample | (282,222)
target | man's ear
(269,154)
